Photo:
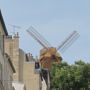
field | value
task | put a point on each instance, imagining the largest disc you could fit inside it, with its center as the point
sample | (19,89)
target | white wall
(18,86)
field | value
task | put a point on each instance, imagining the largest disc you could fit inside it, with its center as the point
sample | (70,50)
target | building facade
(6,72)
(30,76)
(1,70)
(6,66)
(14,57)
(24,64)
(11,45)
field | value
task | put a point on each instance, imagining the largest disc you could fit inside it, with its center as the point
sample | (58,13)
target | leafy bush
(70,77)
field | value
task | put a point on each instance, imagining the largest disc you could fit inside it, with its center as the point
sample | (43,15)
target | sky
(54,20)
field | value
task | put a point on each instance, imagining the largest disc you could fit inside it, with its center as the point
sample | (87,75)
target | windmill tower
(49,53)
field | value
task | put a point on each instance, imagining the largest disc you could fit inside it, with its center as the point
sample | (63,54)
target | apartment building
(24,65)
(6,66)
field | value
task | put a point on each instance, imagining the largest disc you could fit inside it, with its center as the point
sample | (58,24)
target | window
(37,65)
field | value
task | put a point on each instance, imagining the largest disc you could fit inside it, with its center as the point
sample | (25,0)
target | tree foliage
(70,77)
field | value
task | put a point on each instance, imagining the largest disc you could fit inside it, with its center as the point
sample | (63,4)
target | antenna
(14,28)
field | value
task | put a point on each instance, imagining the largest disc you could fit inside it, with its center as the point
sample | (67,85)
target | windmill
(50,54)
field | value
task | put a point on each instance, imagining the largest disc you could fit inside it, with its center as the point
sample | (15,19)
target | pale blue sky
(55,20)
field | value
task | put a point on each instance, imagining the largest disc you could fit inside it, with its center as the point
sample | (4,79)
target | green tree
(70,77)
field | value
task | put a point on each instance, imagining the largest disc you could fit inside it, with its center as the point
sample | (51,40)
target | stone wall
(12,49)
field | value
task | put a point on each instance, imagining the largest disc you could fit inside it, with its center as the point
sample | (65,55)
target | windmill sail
(39,38)
(69,41)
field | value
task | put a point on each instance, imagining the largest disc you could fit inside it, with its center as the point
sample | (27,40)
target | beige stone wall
(25,71)
(28,75)
(21,64)
(31,79)
(12,49)
(1,70)
(7,73)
